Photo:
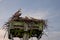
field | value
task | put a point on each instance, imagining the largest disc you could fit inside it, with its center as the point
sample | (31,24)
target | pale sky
(42,9)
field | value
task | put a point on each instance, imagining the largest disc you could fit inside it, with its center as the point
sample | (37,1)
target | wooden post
(26,36)
(12,37)
(10,26)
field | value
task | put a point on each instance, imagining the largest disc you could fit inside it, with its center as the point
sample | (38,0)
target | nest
(17,17)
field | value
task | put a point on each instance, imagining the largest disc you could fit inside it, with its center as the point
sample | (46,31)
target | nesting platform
(18,26)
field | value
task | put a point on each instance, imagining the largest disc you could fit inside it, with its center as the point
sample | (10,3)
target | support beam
(26,36)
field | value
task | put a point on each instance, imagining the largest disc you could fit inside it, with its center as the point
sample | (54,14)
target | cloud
(54,36)
(39,14)
(2,32)
(51,36)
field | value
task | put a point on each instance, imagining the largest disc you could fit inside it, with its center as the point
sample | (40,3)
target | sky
(40,9)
